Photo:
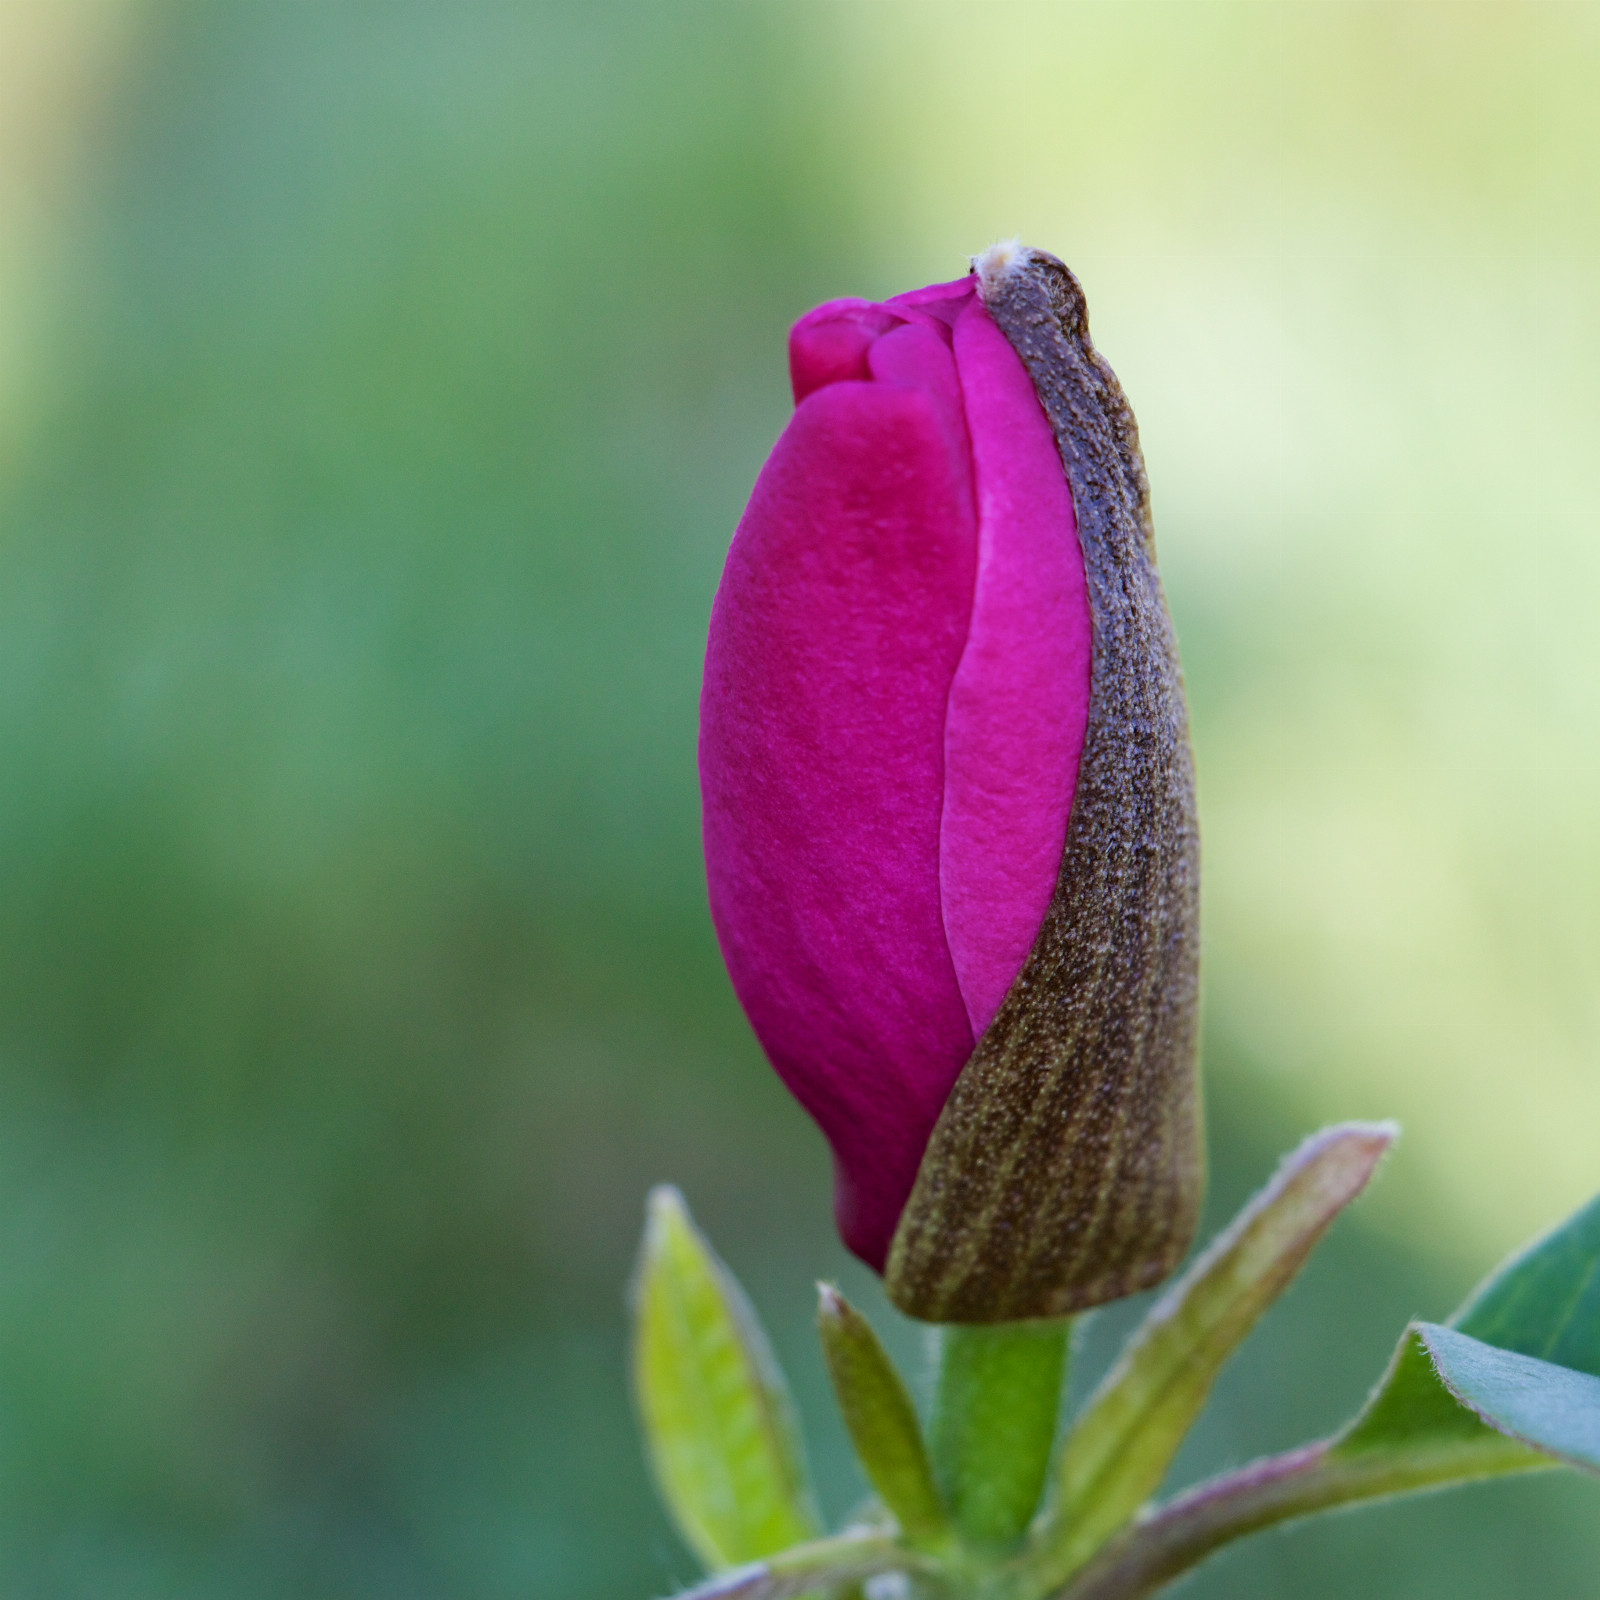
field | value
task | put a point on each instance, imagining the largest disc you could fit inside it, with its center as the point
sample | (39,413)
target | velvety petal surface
(835,638)
(830,344)
(1019,705)
(942,301)
(896,694)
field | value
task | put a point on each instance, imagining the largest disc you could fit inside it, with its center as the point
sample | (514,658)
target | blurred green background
(379,386)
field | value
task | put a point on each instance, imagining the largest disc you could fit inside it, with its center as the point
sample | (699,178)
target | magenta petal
(915,356)
(834,641)
(830,344)
(1019,705)
(942,301)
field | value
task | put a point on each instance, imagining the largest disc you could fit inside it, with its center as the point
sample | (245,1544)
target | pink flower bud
(903,677)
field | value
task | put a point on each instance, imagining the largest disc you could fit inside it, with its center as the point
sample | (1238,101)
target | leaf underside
(1551,1407)
(1514,1379)
(718,1421)
(1512,1385)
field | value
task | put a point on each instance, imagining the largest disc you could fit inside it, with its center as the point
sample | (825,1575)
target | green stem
(994,1424)
(824,1563)
(1316,1477)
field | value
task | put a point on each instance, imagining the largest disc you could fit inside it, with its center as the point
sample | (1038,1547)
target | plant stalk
(994,1424)
(822,1564)
(1316,1477)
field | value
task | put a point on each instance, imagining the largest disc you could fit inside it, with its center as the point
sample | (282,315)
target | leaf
(1545,1301)
(882,1420)
(1481,1397)
(1543,1304)
(1119,1450)
(994,1423)
(829,1565)
(718,1421)
(1412,1415)
(1553,1408)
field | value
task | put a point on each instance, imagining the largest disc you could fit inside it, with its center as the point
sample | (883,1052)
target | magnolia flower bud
(949,809)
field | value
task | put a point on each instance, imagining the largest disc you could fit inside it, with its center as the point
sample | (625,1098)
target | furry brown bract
(1067,1168)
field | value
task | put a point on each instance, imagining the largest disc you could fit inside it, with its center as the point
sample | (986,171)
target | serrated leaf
(883,1423)
(1121,1447)
(1543,1304)
(718,1421)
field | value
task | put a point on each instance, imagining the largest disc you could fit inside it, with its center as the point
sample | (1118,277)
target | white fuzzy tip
(999,261)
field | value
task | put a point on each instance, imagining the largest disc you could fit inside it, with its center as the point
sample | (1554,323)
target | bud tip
(999,261)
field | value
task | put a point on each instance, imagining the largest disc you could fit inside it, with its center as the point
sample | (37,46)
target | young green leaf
(1120,1449)
(1544,1303)
(1418,1433)
(1553,1408)
(834,1567)
(882,1420)
(994,1423)
(1414,1425)
(1512,1385)
(717,1417)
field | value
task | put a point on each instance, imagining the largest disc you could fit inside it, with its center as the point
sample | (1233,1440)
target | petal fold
(834,641)
(1019,704)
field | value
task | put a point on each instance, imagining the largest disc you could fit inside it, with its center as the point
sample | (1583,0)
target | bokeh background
(379,386)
